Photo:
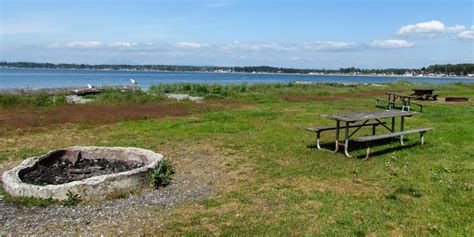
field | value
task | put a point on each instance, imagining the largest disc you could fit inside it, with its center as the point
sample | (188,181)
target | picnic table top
(398,94)
(423,89)
(369,115)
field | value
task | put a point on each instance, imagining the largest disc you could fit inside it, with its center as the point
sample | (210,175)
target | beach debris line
(339,83)
(97,90)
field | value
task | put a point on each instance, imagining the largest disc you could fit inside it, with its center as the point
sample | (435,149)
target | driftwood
(82,92)
(79,91)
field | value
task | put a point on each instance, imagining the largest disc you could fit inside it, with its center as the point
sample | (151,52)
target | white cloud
(77,45)
(429,29)
(84,44)
(254,46)
(329,45)
(466,35)
(188,45)
(391,44)
(122,44)
(54,45)
(236,47)
(455,28)
(423,28)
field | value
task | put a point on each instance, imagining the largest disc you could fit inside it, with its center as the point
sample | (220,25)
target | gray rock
(183,97)
(75,99)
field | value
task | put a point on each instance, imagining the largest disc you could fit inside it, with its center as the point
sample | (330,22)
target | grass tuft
(72,199)
(161,175)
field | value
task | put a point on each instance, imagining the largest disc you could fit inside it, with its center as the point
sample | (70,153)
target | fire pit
(92,172)
(456,99)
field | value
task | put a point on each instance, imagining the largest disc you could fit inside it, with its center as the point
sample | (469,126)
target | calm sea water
(51,78)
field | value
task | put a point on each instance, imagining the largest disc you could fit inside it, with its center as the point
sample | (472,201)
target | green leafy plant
(161,175)
(72,199)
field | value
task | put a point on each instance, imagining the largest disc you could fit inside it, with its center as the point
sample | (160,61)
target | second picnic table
(373,119)
(424,94)
(405,99)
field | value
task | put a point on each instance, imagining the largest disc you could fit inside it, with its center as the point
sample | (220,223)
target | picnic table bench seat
(400,134)
(391,104)
(318,130)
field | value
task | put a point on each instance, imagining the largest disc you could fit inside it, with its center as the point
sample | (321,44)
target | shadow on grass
(361,147)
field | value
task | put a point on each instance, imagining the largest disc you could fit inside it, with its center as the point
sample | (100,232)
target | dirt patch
(342,96)
(34,117)
(60,172)
(26,117)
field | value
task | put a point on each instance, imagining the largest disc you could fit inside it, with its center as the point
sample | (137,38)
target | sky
(292,33)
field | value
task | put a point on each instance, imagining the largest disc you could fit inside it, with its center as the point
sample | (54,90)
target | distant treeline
(448,69)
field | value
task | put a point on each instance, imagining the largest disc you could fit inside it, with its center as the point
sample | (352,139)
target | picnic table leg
(337,137)
(393,124)
(373,129)
(318,138)
(389,103)
(346,140)
(402,125)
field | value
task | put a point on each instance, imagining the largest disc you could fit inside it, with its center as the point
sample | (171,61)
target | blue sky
(302,34)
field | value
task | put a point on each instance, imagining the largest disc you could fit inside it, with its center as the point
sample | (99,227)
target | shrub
(72,199)
(132,96)
(161,175)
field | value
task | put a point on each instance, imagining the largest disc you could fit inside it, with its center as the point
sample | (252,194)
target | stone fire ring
(93,188)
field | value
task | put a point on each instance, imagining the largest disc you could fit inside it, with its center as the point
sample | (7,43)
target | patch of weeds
(405,190)
(240,197)
(344,220)
(161,175)
(210,203)
(120,195)
(38,100)
(433,229)
(132,96)
(393,171)
(72,199)
(360,233)
(27,201)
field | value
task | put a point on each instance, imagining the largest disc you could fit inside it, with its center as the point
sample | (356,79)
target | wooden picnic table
(424,94)
(405,99)
(367,117)
(393,96)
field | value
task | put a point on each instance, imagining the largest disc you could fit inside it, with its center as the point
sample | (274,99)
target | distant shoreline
(270,73)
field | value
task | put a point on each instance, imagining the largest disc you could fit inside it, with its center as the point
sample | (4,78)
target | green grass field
(275,182)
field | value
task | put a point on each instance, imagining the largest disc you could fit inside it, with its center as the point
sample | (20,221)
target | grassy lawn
(277,182)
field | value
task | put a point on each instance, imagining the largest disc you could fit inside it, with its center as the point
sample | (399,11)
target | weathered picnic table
(405,99)
(373,119)
(424,94)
